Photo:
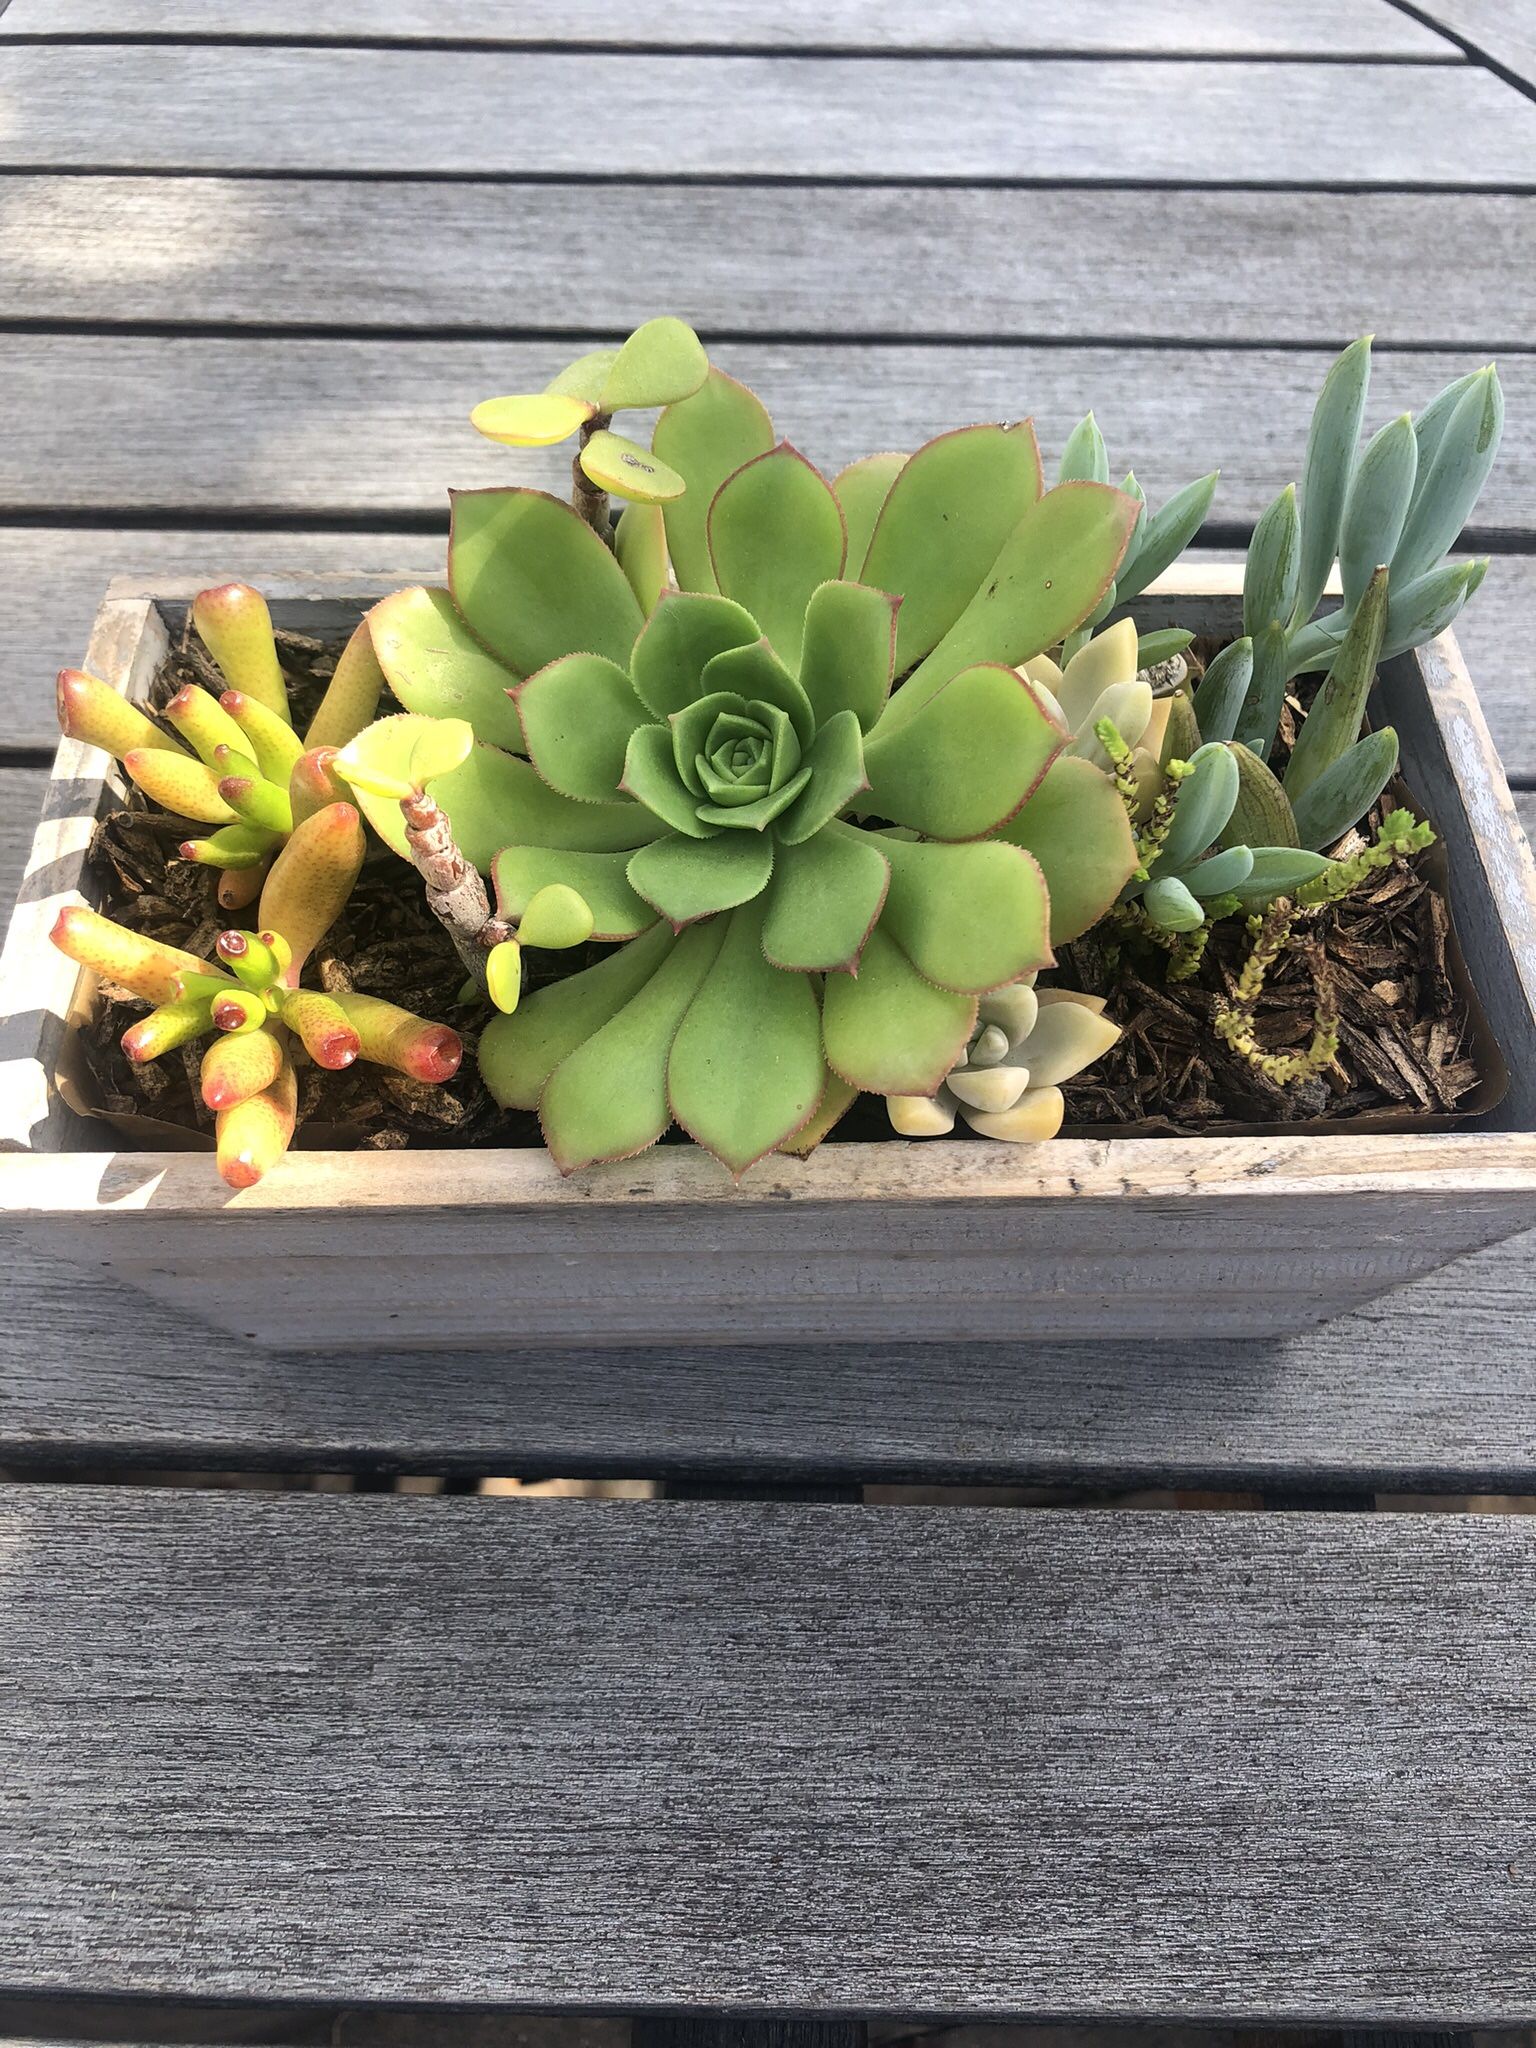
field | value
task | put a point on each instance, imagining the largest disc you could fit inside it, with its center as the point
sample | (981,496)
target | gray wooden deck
(256,263)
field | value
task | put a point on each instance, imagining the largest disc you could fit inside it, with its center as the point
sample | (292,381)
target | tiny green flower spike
(233,761)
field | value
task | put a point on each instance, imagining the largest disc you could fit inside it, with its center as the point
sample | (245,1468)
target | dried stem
(456,894)
(587,499)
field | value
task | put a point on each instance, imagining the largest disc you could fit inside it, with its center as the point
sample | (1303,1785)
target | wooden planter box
(900,1242)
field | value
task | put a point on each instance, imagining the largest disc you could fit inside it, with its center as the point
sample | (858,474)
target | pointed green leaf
(661,363)
(518,1054)
(1152,649)
(640,544)
(1259,720)
(1329,465)
(1223,691)
(746,1068)
(533,581)
(681,639)
(1219,873)
(968,917)
(837,1099)
(1278,871)
(836,763)
(608,1098)
(775,533)
(651,778)
(861,489)
(1075,826)
(1456,475)
(1049,575)
(434,665)
(947,515)
(706,438)
(615,463)
(1084,460)
(1427,606)
(1333,724)
(850,642)
(585,377)
(756,674)
(1163,536)
(687,879)
(1274,565)
(617,912)
(1377,505)
(578,714)
(1205,801)
(758,815)
(824,898)
(496,799)
(889,1030)
(968,759)
(1340,797)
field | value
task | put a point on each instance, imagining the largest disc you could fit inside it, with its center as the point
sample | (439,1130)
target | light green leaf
(947,515)
(824,898)
(1428,605)
(846,660)
(578,715)
(681,639)
(968,917)
(746,1068)
(617,912)
(608,1098)
(651,777)
(496,799)
(533,581)
(1333,724)
(1075,826)
(756,816)
(1325,479)
(1223,690)
(1219,873)
(585,377)
(889,1030)
(706,438)
(775,533)
(661,363)
(533,420)
(968,759)
(1345,791)
(1085,459)
(689,878)
(1049,574)
(518,1055)
(1164,535)
(836,762)
(1259,720)
(1377,505)
(615,463)
(1429,428)
(1170,905)
(434,665)
(837,1099)
(1457,474)
(861,489)
(1277,871)
(556,918)
(1205,801)
(640,544)
(756,674)
(1273,567)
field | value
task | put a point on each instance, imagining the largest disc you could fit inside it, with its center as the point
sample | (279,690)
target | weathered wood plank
(1501,30)
(1060,265)
(1106,121)
(1494,633)
(1123,28)
(767,1757)
(311,426)
(21,799)
(1432,1388)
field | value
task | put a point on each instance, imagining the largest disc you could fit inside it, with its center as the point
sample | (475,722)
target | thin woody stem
(586,498)
(456,894)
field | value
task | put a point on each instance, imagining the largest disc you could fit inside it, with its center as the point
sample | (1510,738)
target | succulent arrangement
(779,789)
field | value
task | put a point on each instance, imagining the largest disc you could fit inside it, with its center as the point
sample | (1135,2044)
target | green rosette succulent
(805,793)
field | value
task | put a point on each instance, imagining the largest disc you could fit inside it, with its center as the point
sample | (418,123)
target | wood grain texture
(1105,121)
(1501,30)
(308,426)
(395,254)
(590,1757)
(1434,1387)
(21,799)
(1121,28)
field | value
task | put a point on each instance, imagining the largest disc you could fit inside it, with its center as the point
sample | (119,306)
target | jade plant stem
(456,894)
(586,498)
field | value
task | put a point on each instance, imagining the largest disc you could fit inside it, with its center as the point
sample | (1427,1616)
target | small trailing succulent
(800,779)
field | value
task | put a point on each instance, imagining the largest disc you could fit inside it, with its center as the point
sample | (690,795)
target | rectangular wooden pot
(923,1241)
